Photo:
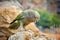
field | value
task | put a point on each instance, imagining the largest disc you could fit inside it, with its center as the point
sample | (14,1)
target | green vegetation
(56,19)
(45,18)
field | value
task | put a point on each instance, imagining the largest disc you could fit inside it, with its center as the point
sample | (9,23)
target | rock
(4,33)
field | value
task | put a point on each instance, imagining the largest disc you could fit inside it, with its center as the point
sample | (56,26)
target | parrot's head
(30,16)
